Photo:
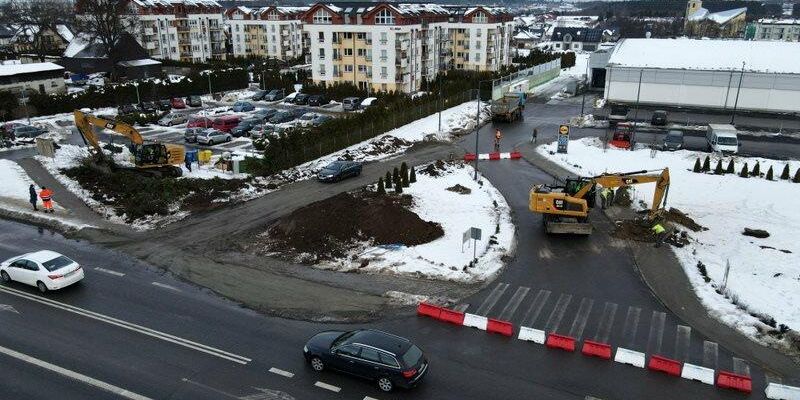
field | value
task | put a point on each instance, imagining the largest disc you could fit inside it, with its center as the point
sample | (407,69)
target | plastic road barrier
(665,365)
(596,349)
(502,327)
(729,380)
(428,310)
(562,342)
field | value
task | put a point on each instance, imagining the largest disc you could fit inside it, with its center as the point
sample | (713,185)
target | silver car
(211,137)
(172,119)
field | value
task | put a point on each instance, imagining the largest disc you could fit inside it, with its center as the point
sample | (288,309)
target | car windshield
(342,338)
(727,140)
(674,137)
(336,165)
(56,263)
(412,356)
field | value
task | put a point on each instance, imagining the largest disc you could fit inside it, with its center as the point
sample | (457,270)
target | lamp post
(136,85)
(209,85)
(478,125)
(738,89)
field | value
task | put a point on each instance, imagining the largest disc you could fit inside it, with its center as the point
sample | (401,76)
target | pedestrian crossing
(620,325)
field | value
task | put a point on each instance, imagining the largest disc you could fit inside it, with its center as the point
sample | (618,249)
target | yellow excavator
(566,208)
(155,159)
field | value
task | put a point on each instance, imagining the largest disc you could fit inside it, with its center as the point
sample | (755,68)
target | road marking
(461,307)
(579,323)
(741,367)
(682,339)
(492,298)
(710,351)
(209,388)
(281,372)
(130,326)
(9,308)
(108,271)
(631,325)
(165,286)
(326,386)
(536,307)
(606,322)
(73,375)
(656,336)
(558,313)
(511,306)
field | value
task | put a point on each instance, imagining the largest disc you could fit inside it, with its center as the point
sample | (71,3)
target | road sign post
(563,138)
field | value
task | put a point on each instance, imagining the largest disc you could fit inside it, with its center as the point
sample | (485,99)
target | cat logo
(629,181)
(558,204)
(110,125)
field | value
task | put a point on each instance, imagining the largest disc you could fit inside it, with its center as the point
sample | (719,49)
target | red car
(177,102)
(199,122)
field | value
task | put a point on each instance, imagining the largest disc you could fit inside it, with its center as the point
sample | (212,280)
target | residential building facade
(38,77)
(776,29)
(397,47)
(576,39)
(275,32)
(181,30)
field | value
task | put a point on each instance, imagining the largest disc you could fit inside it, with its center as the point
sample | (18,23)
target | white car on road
(44,269)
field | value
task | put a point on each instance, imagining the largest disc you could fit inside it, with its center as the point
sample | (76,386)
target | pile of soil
(756,233)
(457,188)
(677,216)
(329,228)
(633,230)
(433,168)
(622,196)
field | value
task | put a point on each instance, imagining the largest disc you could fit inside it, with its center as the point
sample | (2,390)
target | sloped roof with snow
(708,55)
(65,33)
(19,69)
(723,17)
(139,63)
(786,21)
(589,35)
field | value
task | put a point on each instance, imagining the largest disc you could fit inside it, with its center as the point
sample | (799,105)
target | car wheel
(4,277)
(385,384)
(42,287)
(317,364)
(227,138)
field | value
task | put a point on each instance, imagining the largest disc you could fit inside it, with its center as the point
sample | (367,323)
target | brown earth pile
(328,228)
(677,216)
(458,188)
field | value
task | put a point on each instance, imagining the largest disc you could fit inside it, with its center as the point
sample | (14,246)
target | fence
(524,80)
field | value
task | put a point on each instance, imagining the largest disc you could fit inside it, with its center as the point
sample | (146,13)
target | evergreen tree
(398,186)
(756,170)
(413,175)
(706,164)
(395,176)
(718,169)
(796,176)
(730,168)
(381,188)
(744,173)
(404,179)
(696,165)
(769,173)
(785,173)
(403,170)
(388,180)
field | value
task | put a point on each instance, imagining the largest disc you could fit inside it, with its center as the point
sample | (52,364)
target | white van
(722,138)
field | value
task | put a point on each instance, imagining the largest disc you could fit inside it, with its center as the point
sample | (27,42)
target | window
(322,17)
(558,45)
(478,45)
(56,263)
(321,37)
(383,55)
(348,68)
(349,350)
(383,38)
(348,52)
(384,72)
(370,355)
(361,35)
(384,87)
(273,15)
(362,52)
(362,68)
(388,360)
(348,35)
(477,57)
(478,33)
(272,28)
(480,18)
(384,17)
(321,54)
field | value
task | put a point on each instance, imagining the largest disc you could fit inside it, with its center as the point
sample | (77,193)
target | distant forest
(675,8)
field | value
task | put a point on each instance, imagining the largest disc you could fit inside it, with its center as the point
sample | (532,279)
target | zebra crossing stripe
(475,321)
(531,335)
(630,357)
(698,373)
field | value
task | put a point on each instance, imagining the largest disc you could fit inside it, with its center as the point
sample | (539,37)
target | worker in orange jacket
(47,199)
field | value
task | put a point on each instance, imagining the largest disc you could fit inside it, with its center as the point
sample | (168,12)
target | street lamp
(136,85)
(478,125)
(738,89)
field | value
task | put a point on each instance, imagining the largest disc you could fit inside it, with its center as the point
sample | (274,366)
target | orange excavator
(155,159)
(566,208)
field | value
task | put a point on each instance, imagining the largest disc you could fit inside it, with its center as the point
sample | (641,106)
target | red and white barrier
(596,349)
(556,341)
(502,327)
(665,365)
(782,392)
(475,321)
(729,380)
(513,155)
(630,357)
(698,373)
(532,335)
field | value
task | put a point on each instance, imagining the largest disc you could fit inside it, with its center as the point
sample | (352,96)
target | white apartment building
(183,30)
(274,32)
(397,46)
(777,29)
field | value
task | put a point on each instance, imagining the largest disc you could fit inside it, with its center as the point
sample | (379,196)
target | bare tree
(35,23)
(105,22)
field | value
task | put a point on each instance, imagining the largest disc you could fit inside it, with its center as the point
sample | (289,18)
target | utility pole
(478,126)
(136,85)
(636,111)
(583,102)
(738,89)
(209,85)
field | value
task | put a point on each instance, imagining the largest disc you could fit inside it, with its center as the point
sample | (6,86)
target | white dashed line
(108,271)
(281,372)
(326,386)
(165,286)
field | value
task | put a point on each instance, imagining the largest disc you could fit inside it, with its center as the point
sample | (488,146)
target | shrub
(730,169)
(706,164)
(796,176)
(395,175)
(744,173)
(388,180)
(718,169)
(696,165)
(756,170)
(769,173)
(404,174)
(702,268)
(785,173)
(381,189)
(413,176)
(398,186)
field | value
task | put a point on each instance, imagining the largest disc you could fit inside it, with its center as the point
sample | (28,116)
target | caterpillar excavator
(155,159)
(566,208)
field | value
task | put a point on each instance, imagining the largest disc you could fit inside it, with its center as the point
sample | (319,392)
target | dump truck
(508,108)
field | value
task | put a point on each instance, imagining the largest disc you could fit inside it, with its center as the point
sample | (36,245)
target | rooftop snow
(139,63)
(17,69)
(771,21)
(759,56)
(725,16)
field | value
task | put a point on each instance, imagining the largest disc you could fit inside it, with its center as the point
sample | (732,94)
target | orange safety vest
(46,194)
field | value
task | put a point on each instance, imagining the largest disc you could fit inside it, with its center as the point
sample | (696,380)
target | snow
(785,21)
(764,280)
(139,63)
(76,45)
(691,54)
(444,258)
(17,69)
(723,17)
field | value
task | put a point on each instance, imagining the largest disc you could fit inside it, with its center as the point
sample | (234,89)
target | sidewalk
(665,277)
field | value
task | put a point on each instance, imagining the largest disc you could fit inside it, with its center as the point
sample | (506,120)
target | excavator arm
(631,178)
(84,122)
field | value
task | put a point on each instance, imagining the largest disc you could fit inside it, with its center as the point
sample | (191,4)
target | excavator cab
(150,154)
(574,185)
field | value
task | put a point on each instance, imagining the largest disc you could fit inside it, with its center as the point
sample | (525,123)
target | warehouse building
(706,74)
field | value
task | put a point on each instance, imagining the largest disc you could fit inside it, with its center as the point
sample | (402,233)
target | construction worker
(604,197)
(47,199)
(498,136)
(534,135)
(659,232)
(34,197)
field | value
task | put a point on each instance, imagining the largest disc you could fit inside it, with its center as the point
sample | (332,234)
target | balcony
(401,62)
(337,74)
(150,45)
(337,57)
(384,41)
(368,41)
(368,58)
(368,74)
(383,58)
(384,76)
(149,31)
(217,51)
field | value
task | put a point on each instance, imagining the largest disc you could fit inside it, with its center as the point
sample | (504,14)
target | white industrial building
(707,74)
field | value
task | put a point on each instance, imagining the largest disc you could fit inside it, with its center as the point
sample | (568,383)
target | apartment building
(398,46)
(274,32)
(776,29)
(183,30)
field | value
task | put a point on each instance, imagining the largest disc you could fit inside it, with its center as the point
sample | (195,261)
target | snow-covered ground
(445,258)
(764,273)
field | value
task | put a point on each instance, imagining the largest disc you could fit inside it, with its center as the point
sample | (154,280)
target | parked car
(673,140)
(317,100)
(244,127)
(307,118)
(194,101)
(199,122)
(212,136)
(226,123)
(44,269)
(261,130)
(659,118)
(264,113)
(275,95)
(368,102)
(722,138)
(301,99)
(281,117)
(618,113)
(321,119)
(148,107)
(126,109)
(243,106)
(190,135)
(178,103)
(172,119)
(289,99)
(164,105)
(339,170)
(26,131)
(389,360)
(258,95)
(351,103)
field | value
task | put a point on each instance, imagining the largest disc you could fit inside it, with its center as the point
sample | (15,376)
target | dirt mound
(433,168)
(622,196)
(459,189)
(329,228)
(756,233)
(677,216)
(633,230)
